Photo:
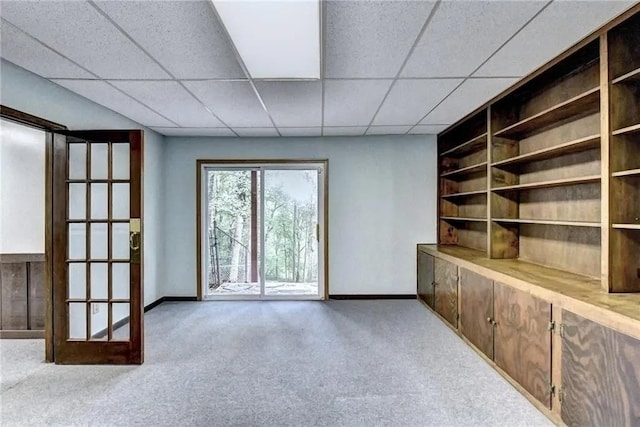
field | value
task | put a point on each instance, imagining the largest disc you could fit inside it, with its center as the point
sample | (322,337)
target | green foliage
(290,225)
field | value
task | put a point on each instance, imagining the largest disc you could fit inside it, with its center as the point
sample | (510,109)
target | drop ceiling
(389,67)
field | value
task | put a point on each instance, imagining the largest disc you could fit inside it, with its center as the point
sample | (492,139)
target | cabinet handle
(488,319)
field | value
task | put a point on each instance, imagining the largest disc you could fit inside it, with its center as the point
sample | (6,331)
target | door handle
(135,240)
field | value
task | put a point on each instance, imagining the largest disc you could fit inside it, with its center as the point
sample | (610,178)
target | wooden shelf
(630,172)
(631,76)
(461,219)
(464,194)
(469,170)
(547,222)
(547,184)
(466,147)
(626,226)
(628,129)
(575,146)
(580,105)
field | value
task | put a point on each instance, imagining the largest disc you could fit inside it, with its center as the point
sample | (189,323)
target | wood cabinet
(600,374)
(551,167)
(446,290)
(511,327)
(426,288)
(523,339)
(476,310)
(574,353)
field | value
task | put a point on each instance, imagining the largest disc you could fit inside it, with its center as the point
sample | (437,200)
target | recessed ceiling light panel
(275,39)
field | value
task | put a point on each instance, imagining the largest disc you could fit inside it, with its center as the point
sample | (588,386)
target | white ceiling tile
(388,130)
(463,34)
(184,36)
(22,50)
(344,130)
(171,100)
(558,27)
(352,102)
(169,131)
(104,94)
(371,38)
(256,132)
(317,131)
(469,96)
(78,31)
(410,100)
(428,129)
(234,102)
(293,104)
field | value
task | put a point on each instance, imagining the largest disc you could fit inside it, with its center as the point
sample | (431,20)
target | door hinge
(552,326)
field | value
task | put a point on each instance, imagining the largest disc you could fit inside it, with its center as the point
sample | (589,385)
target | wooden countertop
(579,294)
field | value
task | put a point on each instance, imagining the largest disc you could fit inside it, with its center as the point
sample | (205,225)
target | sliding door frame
(201,164)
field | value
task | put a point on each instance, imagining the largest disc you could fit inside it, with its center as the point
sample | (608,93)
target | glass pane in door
(231,233)
(98,213)
(290,232)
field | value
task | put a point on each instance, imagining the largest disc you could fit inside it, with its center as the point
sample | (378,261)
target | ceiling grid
(480,66)
(406,59)
(386,67)
(97,78)
(126,34)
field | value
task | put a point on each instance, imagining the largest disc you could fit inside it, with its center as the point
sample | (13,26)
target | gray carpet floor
(338,363)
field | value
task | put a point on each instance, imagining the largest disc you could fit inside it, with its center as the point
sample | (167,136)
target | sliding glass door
(262,231)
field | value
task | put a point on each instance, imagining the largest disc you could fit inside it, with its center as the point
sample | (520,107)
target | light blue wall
(382,192)
(382,202)
(25,91)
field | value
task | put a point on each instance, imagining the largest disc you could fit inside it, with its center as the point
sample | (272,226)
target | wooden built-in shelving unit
(538,259)
(549,171)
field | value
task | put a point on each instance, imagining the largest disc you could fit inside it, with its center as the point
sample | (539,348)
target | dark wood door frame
(49,127)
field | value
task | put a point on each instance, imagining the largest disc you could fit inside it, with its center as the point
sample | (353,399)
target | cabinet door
(522,346)
(426,278)
(446,290)
(476,310)
(600,375)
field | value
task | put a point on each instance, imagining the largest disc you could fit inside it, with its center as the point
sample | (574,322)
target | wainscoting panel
(22,302)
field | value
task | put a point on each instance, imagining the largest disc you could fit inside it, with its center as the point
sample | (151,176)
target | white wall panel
(22,189)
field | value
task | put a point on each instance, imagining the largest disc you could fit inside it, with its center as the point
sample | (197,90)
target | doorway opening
(262,230)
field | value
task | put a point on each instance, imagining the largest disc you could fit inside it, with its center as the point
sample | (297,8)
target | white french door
(263,231)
